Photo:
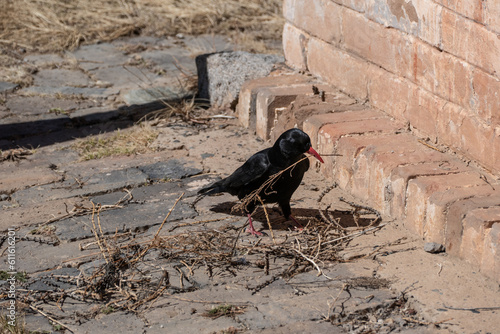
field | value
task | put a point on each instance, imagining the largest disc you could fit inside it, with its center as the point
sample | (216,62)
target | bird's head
(295,142)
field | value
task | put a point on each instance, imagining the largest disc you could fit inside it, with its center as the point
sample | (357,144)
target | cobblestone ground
(123,243)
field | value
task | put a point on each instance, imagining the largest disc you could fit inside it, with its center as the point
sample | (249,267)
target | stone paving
(47,198)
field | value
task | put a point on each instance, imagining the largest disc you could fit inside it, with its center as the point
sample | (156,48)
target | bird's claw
(254,232)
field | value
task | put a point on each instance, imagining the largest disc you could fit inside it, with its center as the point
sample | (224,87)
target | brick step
(435,194)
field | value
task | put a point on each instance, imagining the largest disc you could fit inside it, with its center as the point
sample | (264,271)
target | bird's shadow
(345,218)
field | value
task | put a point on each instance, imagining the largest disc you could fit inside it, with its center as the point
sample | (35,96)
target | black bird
(260,168)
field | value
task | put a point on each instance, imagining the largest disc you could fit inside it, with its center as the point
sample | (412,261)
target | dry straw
(55,25)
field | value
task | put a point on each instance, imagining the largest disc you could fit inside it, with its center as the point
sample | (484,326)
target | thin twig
(50,318)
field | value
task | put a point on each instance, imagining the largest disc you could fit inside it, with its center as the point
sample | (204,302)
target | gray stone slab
(88,92)
(208,43)
(148,95)
(97,183)
(121,76)
(118,322)
(134,218)
(7,87)
(44,60)
(61,77)
(221,75)
(95,56)
(171,60)
(172,169)
(46,282)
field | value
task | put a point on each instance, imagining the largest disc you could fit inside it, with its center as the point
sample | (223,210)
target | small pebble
(433,247)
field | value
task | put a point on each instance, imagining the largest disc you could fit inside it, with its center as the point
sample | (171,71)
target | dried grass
(136,140)
(56,25)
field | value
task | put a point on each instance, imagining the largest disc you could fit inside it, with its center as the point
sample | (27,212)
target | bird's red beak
(313,152)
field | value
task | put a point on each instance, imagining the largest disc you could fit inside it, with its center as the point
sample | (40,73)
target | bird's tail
(212,189)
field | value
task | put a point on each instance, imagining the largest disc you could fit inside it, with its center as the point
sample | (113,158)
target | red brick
(339,68)
(390,93)
(428,198)
(456,234)
(272,101)
(388,48)
(248,94)
(357,5)
(420,18)
(320,18)
(295,47)
(486,97)
(443,74)
(448,123)
(477,141)
(490,263)
(313,124)
(367,182)
(423,112)
(472,9)
(492,15)
(470,41)
(401,175)
(382,164)
(330,134)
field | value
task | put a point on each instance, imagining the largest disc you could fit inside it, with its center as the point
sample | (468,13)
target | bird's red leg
(299,226)
(251,229)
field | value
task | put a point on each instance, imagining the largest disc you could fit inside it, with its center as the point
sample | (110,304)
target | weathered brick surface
(338,67)
(320,18)
(329,135)
(490,262)
(420,18)
(308,105)
(486,97)
(395,191)
(458,236)
(428,198)
(372,41)
(471,41)
(248,94)
(472,9)
(390,93)
(443,74)
(272,102)
(295,47)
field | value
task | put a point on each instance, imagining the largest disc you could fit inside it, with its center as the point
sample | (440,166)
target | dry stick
(96,235)
(83,211)
(157,232)
(100,230)
(267,218)
(330,307)
(198,222)
(355,234)
(50,318)
(320,272)
(168,215)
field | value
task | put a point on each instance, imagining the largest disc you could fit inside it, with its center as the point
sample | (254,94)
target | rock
(61,77)
(433,247)
(7,87)
(221,74)
(171,169)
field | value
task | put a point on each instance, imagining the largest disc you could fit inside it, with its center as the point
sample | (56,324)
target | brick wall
(434,64)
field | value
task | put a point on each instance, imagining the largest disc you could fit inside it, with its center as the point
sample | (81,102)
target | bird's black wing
(254,168)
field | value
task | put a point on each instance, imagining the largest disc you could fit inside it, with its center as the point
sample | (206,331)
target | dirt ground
(201,273)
